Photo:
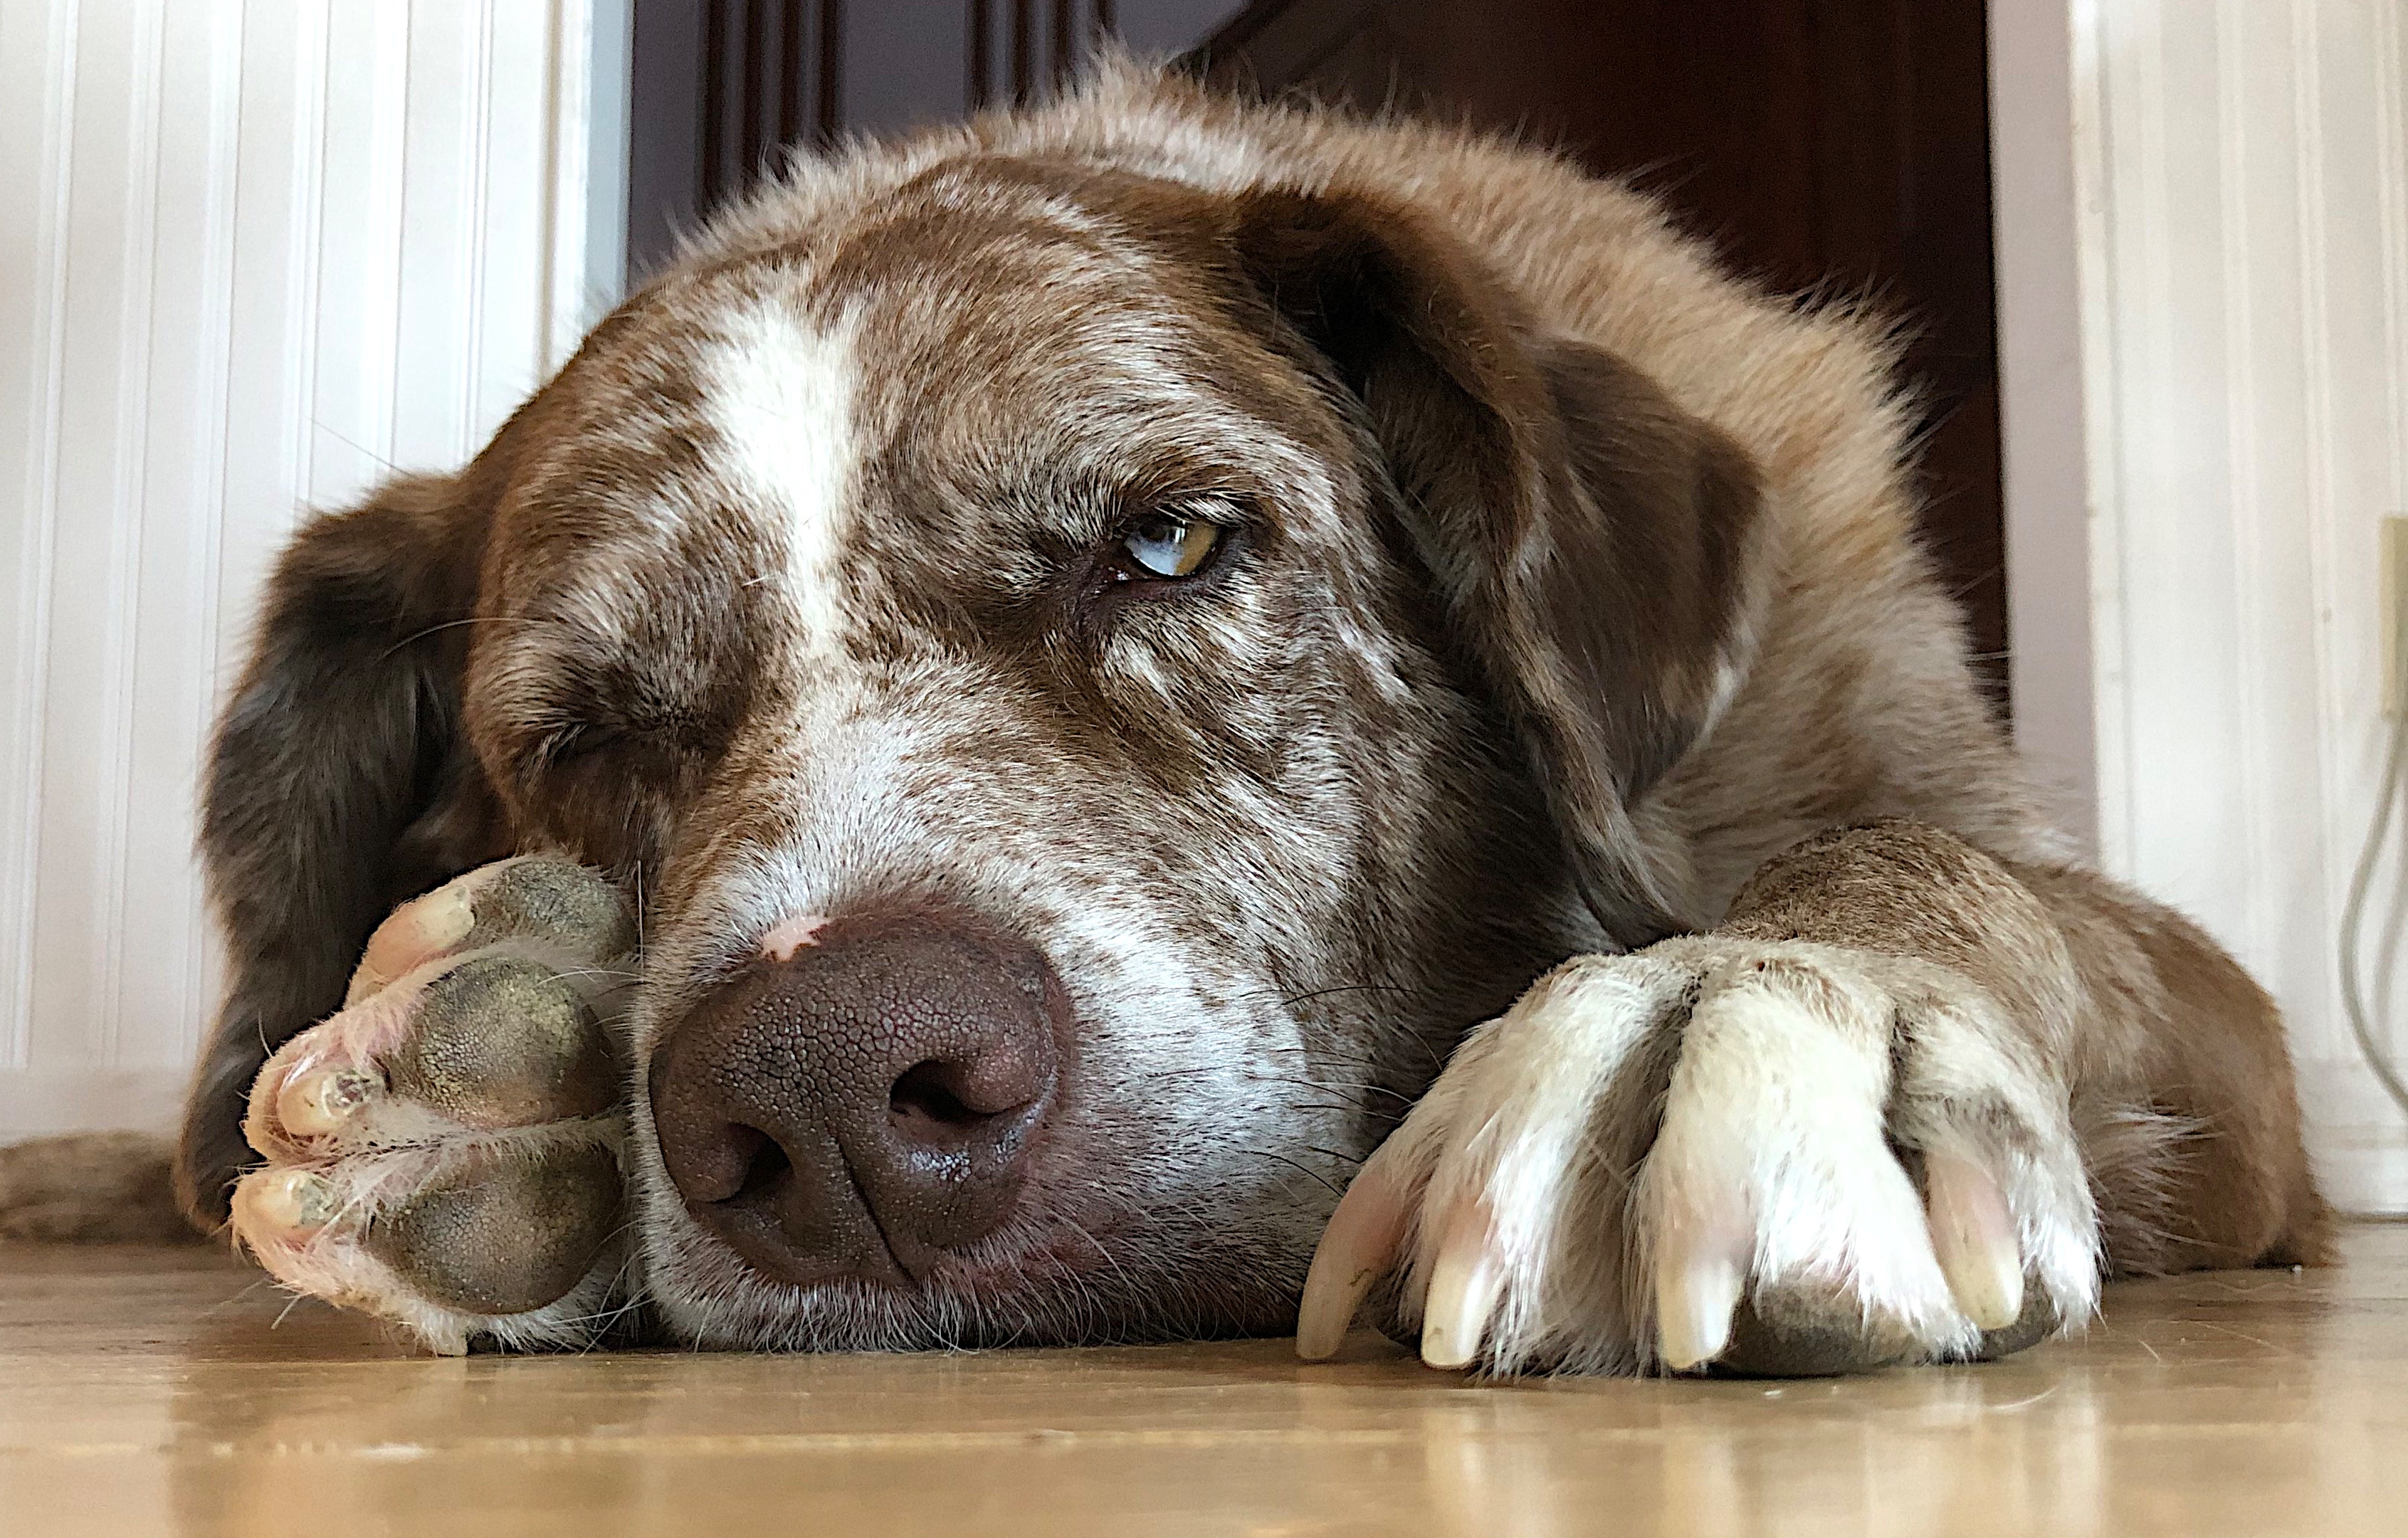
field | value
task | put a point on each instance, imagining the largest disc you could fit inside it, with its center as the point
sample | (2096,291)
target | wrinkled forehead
(985,334)
(980,351)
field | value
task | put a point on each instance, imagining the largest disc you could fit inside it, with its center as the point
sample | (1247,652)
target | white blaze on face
(781,395)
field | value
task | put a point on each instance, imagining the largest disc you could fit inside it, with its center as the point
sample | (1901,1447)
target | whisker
(472,620)
(1345,1088)
(1351,1110)
(1332,1153)
(355,446)
(1345,988)
(639,912)
(1300,1168)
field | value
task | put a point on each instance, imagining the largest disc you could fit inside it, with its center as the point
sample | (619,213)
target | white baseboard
(36,1103)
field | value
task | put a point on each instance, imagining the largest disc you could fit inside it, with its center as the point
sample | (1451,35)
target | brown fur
(2161,1041)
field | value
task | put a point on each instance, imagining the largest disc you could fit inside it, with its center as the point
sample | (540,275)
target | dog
(1059,694)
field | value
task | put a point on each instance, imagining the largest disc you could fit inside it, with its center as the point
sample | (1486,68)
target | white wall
(251,254)
(2234,305)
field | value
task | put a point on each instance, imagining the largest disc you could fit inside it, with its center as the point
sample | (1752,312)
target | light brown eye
(1168,547)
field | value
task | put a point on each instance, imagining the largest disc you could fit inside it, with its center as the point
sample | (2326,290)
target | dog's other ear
(1590,540)
(338,785)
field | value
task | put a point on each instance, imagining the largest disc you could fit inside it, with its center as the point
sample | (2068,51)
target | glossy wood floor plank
(169,1392)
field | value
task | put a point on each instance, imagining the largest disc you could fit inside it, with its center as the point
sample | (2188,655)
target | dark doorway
(719,89)
(1831,146)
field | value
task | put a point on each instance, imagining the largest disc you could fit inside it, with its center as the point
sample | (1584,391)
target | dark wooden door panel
(721,87)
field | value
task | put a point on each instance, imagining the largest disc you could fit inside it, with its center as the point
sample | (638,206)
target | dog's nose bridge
(783,939)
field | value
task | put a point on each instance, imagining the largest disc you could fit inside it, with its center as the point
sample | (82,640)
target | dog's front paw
(445,1151)
(1773,1157)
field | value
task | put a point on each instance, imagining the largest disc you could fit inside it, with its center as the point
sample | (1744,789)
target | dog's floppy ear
(336,785)
(1589,538)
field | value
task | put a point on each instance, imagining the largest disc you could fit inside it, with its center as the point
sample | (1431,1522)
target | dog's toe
(445,1150)
(1899,1185)
(550,903)
(481,1041)
(504,1238)
(507,1229)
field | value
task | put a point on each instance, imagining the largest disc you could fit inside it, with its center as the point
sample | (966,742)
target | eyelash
(579,739)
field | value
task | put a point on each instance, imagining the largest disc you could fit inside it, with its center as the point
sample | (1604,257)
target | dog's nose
(863,1096)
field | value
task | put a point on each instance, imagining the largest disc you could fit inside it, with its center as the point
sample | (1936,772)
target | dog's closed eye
(579,740)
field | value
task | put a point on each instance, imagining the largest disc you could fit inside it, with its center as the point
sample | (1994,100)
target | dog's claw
(1464,1285)
(1354,1251)
(1973,1237)
(322,1099)
(284,1203)
(415,934)
(1699,1275)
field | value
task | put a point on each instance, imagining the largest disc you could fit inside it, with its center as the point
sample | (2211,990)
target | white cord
(2353,915)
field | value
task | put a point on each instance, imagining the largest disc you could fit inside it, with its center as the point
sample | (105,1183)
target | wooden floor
(146,1391)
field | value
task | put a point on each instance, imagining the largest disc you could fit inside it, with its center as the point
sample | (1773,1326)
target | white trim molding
(2042,391)
(255,256)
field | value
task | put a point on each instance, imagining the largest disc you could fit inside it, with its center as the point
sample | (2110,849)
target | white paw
(446,1151)
(1709,1152)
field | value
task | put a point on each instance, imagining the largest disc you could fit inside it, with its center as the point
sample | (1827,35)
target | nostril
(927,1099)
(767,1167)
(732,1163)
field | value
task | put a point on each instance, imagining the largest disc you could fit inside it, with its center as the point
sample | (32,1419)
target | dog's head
(1095,684)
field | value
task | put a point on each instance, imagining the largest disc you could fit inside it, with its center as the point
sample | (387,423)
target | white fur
(1773,1125)
(781,395)
(1509,1125)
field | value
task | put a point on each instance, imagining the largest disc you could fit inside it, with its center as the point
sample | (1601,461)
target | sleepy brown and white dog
(1047,678)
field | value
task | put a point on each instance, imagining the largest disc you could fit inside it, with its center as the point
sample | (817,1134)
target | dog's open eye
(1169,548)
